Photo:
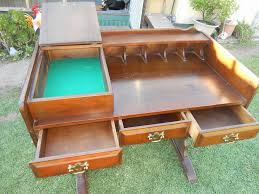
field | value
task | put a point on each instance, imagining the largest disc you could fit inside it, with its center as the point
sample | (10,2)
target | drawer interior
(93,137)
(222,117)
(150,120)
(70,72)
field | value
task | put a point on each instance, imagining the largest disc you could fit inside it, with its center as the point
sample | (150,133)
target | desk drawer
(221,125)
(153,128)
(73,149)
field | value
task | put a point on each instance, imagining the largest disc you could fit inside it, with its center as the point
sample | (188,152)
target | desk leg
(181,150)
(81,183)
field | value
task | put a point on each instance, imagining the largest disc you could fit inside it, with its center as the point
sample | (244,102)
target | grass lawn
(147,168)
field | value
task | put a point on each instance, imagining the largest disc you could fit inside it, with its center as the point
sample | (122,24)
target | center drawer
(221,125)
(72,149)
(153,128)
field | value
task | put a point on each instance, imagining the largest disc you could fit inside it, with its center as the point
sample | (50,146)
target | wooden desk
(188,85)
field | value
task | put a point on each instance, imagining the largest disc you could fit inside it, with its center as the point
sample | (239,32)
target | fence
(5,5)
(25,5)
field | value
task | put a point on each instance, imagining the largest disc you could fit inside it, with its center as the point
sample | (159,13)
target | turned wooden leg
(81,183)
(181,150)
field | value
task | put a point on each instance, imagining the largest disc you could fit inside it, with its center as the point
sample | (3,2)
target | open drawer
(73,149)
(221,125)
(153,128)
(70,83)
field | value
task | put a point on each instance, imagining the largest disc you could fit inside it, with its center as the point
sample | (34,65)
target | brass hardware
(231,138)
(78,167)
(156,136)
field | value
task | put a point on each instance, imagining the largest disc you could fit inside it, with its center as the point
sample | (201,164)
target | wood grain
(158,86)
(60,165)
(140,134)
(136,130)
(23,106)
(95,143)
(69,24)
(73,53)
(58,109)
(78,138)
(151,36)
(53,110)
(210,126)
(234,72)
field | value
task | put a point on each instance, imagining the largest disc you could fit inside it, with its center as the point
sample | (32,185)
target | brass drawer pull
(231,138)
(78,167)
(156,136)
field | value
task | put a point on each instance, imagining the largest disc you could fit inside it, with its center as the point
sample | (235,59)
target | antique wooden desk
(88,93)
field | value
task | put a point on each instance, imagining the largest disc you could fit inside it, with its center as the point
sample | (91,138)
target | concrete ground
(12,74)
(243,51)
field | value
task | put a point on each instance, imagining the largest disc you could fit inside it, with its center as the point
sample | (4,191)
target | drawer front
(227,135)
(221,125)
(154,133)
(76,164)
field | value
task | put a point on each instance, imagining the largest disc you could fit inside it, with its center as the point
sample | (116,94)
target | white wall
(247,10)
(135,10)
(183,12)
(159,6)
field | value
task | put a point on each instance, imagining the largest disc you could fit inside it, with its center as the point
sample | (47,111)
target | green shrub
(226,8)
(214,9)
(15,32)
(244,32)
(207,8)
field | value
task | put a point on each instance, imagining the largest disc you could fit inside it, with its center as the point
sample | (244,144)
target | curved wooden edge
(152,36)
(241,78)
(149,30)
(23,107)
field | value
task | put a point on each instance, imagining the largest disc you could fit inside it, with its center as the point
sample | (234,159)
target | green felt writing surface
(77,76)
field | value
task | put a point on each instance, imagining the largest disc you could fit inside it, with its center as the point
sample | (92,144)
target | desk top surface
(156,87)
